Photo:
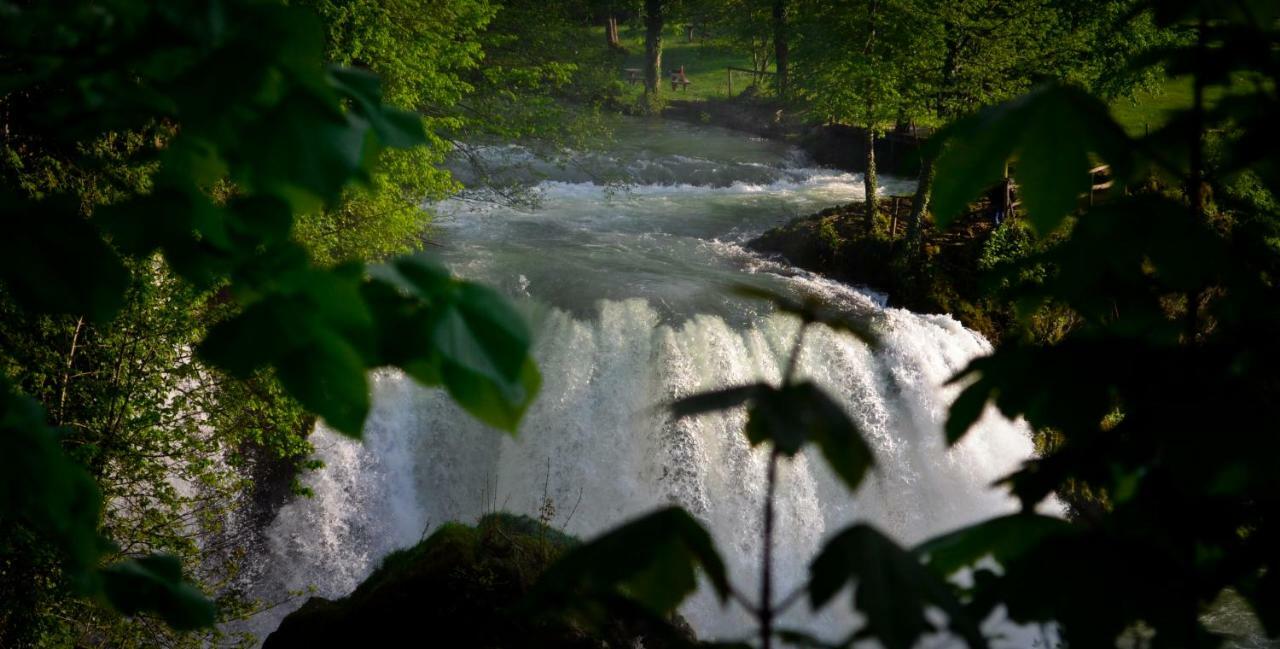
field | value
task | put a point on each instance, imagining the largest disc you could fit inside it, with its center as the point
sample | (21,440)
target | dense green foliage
(166,317)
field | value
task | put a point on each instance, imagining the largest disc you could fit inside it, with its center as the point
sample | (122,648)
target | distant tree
(849,60)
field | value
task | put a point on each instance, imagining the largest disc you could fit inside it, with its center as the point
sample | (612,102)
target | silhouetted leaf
(653,560)
(797,638)
(52,260)
(1051,132)
(327,377)
(965,411)
(41,486)
(715,400)
(154,584)
(811,310)
(1263,594)
(892,589)
(251,340)
(801,413)
(1004,539)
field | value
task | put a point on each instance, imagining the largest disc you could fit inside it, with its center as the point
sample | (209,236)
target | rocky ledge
(461,588)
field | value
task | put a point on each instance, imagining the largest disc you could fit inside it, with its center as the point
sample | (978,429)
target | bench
(633,75)
(678,79)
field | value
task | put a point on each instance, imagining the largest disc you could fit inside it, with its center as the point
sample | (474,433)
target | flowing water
(621,265)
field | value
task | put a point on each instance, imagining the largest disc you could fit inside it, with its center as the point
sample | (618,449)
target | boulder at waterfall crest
(460,587)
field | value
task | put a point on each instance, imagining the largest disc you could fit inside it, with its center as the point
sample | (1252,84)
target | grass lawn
(1152,109)
(704,63)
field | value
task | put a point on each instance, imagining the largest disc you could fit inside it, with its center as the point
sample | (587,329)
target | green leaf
(1004,539)
(54,261)
(892,589)
(1051,132)
(303,144)
(255,338)
(260,219)
(42,486)
(480,331)
(328,378)
(396,128)
(801,413)
(420,275)
(154,584)
(499,404)
(652,560)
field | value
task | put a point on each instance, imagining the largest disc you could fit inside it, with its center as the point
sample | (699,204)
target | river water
(621,261)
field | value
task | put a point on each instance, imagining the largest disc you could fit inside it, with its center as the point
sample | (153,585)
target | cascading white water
(624,287)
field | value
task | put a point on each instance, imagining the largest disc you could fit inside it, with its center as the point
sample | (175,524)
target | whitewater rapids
(620,263)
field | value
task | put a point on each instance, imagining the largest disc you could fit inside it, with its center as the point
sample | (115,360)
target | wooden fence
(755,75)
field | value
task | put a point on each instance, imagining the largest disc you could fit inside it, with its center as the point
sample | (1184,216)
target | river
(621,261)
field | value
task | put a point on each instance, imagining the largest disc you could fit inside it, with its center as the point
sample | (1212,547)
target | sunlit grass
(1152,109)
(705,63)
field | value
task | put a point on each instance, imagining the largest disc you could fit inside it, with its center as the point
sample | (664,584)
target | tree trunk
(653,19)
(920,207)
(781,50)
(870,179)
(611,32)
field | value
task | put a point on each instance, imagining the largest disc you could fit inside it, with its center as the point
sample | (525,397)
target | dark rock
(460,589)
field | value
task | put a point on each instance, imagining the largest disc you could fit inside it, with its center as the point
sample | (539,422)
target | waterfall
(626,302)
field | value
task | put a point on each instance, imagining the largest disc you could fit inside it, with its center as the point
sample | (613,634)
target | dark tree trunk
(870,180)
(781,49)
(653,20)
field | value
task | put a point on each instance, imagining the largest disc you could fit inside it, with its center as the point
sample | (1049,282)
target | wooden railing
(754,73)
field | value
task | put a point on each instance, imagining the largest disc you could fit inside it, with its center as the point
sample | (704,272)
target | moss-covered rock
(459,588)
(945,278)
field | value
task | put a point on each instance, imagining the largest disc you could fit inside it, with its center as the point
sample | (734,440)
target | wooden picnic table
(633,75)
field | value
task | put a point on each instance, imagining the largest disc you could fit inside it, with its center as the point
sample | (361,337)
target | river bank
(831,145)
(947,277)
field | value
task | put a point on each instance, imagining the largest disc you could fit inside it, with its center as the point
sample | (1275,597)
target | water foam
(599,442)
